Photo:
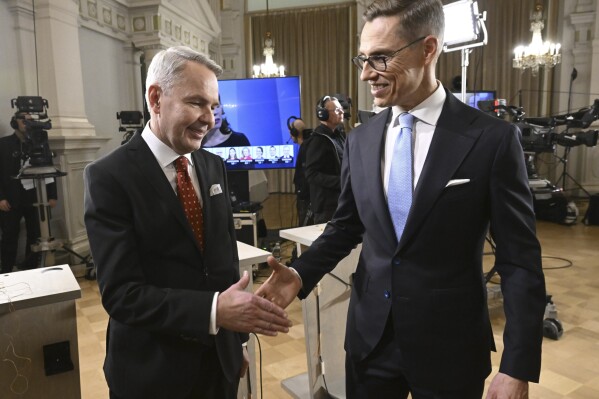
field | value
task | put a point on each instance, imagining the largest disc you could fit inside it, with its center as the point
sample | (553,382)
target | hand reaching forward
(505,387)
(282,286)
(242,311)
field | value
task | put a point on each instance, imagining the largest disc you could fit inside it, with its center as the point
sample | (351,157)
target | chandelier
(268,69)
(537,53)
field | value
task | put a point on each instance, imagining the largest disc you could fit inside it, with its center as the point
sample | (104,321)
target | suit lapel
(155,178)
(451,143)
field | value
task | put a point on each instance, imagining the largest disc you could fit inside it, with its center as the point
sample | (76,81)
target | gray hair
(167,65)
(418,17)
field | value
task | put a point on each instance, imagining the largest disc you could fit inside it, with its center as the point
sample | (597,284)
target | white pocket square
(457,182)
(215,189)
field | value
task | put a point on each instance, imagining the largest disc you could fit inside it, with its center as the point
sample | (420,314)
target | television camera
(538,134)
(129,122)
(32,110)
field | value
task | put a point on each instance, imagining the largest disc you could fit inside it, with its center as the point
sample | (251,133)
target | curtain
(508,25)
(315,43)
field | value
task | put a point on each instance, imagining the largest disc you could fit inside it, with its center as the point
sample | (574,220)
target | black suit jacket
(323,169)
(431,282)
(156,284)
(11,189)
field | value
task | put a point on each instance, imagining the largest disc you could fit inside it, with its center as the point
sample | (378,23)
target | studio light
(464,29)
(268,69)
(538,53)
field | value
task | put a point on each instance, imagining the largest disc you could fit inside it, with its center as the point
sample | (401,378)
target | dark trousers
(11,225)
(304,218)
(382,375)
(209,384)
(324,216)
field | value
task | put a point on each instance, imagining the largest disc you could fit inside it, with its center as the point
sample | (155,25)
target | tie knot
(405,120)
(181,164)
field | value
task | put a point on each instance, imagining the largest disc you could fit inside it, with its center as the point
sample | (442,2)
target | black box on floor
(591,217)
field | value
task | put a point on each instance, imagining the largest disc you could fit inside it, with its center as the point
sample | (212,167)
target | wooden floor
(570,365)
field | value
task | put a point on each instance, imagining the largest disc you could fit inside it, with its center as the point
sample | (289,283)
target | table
(325,309)
(37,308)
(249,256)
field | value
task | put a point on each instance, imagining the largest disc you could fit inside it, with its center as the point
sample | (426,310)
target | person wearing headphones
(17,197)
(300,135)
(323,159)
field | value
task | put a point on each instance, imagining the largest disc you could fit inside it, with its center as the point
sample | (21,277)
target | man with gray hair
(422,183)
(161,232)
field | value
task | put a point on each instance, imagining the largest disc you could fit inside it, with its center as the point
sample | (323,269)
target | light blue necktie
(399,192)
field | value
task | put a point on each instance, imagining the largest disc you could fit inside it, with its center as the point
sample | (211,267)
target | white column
(60,76)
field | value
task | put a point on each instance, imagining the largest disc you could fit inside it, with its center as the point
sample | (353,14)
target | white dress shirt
(426,116)
(166,157)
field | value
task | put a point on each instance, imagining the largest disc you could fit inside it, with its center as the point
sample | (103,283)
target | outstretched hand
(242,311)
(282,286)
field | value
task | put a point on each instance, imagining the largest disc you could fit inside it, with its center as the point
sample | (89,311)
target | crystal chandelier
(537,53)
(268,69)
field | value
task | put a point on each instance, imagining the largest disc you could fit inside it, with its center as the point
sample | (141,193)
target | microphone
(574,74)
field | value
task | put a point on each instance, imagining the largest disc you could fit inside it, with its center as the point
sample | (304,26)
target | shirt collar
(164,154)
(427,111)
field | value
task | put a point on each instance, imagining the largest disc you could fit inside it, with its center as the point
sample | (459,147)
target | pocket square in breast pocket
(215,189)
(457,182)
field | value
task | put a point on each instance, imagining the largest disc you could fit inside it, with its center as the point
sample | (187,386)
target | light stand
(565,174)
(46,244)
(464,29)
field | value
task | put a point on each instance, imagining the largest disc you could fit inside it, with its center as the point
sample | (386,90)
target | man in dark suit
(418,320)
(17,197)
(323,159)
(167,270)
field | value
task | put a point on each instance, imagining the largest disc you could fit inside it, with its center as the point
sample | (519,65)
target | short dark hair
(418,17)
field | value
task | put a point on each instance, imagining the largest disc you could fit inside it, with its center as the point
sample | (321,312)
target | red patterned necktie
(189,200)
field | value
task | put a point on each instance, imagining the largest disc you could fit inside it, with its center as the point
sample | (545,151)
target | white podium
(325,315)
(249,256)
(37,310)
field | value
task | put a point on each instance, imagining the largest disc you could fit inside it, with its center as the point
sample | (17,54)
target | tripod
(46,244)
(565,174)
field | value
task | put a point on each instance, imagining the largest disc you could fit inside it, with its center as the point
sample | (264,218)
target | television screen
(473,97)
(251,125)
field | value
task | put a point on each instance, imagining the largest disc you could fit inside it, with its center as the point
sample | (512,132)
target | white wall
(10,72)
(108,85)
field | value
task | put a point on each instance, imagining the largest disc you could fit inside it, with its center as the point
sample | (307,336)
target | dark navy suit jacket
(431,283)
(156,284)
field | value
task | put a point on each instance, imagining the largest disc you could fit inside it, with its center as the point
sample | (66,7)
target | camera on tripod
(129,122)
(32,111)
(538,134)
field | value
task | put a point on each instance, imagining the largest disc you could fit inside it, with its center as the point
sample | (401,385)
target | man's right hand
(4,206)
(282,286)
(242,311)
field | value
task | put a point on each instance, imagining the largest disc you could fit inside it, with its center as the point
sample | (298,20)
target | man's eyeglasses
(379,62)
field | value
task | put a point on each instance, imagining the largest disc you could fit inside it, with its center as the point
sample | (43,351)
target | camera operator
(17,196)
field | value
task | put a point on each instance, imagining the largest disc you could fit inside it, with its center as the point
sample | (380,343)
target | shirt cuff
(213,329)
(298,276)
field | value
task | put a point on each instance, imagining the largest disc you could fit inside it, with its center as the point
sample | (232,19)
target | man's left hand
(52,203)
(505,387)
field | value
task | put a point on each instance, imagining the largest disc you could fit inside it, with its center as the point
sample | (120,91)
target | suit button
(387,294)
(396,262)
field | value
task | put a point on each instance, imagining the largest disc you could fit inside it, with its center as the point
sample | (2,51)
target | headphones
(321,112)
(292,130)
(13,123)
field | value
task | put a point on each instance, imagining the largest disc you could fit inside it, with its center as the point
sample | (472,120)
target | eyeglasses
(379,62)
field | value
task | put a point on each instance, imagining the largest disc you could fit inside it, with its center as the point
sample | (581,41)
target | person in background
(222,135)
(161,232)
(273,157)
(245,154)
(17,197)
(323,159)
(423,183)
(301,135)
